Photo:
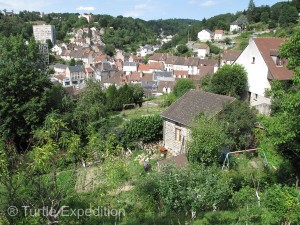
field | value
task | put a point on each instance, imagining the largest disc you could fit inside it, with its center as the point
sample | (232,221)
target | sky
(143,9)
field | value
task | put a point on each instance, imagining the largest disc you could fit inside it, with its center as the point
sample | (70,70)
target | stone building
(179,117)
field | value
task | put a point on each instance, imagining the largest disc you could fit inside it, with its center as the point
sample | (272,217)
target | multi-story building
(43,32)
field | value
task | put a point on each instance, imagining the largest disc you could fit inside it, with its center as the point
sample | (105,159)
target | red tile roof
(143,67)
(203,46)
(147,77)
(135,76)
(231,55)
(180,72)
(156,65)
(266,46)
(218,31)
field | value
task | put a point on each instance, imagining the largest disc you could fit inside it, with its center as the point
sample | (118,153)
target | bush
(145,128)
(168,99)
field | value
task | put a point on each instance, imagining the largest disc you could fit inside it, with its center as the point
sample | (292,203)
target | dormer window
(253,60)
(279,61)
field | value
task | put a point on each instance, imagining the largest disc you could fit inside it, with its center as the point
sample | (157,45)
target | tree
(22,91)
(288,16)
(250,11)
(229,80)
(109,49)
(296,3)
(240,122)
(49,43)
(207,139)
(90,108)
(137,92)
(182,86)
(282,128)
(72,62)
(182,50)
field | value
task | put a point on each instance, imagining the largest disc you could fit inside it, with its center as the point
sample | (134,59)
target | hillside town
(114,119)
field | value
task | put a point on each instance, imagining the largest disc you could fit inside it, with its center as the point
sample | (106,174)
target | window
(177,134)
(253,60)
(255,97)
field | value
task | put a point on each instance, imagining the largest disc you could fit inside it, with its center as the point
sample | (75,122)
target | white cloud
(208,3)
(86,8)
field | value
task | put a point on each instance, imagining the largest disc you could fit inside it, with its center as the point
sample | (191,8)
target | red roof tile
(143,67)
(267,45)
(156,65)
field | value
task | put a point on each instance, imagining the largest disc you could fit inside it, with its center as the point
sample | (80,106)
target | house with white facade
(76,74)
(263,64)
(179,117)
(129,67)
(234,26)
(218,35)
(205,35)
(203,51)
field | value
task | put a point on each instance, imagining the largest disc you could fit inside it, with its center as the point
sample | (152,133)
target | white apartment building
(43,32)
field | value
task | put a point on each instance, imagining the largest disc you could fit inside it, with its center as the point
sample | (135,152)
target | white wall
(257,72)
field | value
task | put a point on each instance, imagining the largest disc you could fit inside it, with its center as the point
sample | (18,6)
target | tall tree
(251,11)
(23,98)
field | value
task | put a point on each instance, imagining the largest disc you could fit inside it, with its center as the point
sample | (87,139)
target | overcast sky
(144,9)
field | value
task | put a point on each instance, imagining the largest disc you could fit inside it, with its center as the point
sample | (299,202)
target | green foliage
(186,190)
(229,80)
(109,50)
(207,139)
(145,128)
(90,108)
(240,121)
(168,99)
(23,91)
(183,50)
(250,11)
(182,86)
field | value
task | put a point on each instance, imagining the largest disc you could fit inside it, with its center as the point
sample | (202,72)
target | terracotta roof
(135,76)
(147,77)
(89,70)
(265,45)
(143,67)
(192,103)
(156,65)
(158,57)
(219,31)
(203,46)
(231,55)
(204,70)
(180,72)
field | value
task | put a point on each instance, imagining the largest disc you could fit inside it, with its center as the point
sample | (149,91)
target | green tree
(296,3)
(72,62)
(182,86)
(137,93)
(49,43)
(182,50)
(250,11)
(288,16)
(109,49)
(207,139)
(23,91)
(240,122)
(90,108)
(282,128)
(229,80)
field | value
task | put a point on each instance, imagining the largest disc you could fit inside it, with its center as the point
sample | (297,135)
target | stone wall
(170,142)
